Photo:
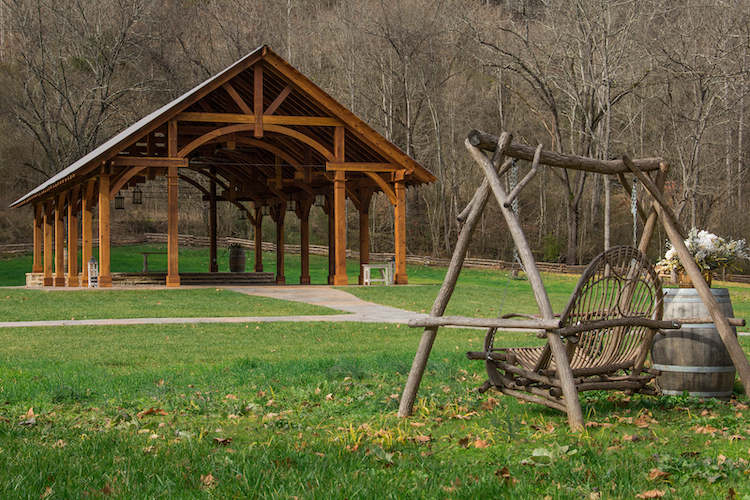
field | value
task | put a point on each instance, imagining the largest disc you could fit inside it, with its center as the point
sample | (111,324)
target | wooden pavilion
(258,132)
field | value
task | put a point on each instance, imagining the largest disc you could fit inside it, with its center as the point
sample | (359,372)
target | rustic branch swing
(609,322)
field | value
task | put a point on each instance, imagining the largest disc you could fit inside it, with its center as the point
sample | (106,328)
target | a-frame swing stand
(650,172)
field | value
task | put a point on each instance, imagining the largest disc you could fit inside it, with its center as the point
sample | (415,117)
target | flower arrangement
(710,252)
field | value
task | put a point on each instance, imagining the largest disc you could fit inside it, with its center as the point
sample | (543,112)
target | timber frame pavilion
(260,132)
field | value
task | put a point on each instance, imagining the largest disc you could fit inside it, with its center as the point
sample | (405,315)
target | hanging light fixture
(265,210)
(119,201)
(320,200)
(291,205)
(137,196)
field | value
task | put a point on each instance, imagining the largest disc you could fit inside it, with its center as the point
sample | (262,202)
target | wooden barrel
(693,358)
(237,260)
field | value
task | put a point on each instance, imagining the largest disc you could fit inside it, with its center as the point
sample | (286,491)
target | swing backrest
(619,283)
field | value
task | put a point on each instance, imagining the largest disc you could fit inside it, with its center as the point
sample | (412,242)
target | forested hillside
(596,78)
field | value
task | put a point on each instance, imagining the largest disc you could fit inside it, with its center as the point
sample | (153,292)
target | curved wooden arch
(123,179)
(248,127)
(384,186)
(291,160)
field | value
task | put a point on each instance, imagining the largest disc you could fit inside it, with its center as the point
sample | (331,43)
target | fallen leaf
(651,494)
(504,476)
(417,424)
(208,481)
(223,441)
(708,429)
(463,442)
(422,439)
(481,444)
(152,411)
(606,425)
(656,475)
(47,492)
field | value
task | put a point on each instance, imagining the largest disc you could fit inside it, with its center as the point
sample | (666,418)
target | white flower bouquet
(710,252)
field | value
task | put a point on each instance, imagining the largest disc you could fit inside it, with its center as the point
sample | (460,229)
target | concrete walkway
(320,295)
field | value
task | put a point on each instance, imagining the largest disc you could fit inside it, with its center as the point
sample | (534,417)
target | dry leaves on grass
(152,411)
(651,494)
(707,429)
(208,481)
(657,475)
(504,476)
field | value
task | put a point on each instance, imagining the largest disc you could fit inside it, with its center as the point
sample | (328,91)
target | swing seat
(607,328)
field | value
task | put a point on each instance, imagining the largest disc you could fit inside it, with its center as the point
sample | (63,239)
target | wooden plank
(306,121)
(487,142)
(530,324)
(237,98)
(279,99)
(363,167)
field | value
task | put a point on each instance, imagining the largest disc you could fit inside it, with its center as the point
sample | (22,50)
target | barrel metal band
(698,394)
(695,369)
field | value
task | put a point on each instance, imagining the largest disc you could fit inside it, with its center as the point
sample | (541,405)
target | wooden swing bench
(603,337)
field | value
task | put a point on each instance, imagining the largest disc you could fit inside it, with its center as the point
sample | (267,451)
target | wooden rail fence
(190,240)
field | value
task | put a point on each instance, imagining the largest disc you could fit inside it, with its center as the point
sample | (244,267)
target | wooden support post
(564,372)
(258,99)
(105,276)
(173,205)
(653,217)
(258,240)
(173,273)
(305,206)
(280,216)
(73,237)
(364,231)
(339,202)
(478,204)
(37,265)
(331,240)
(60,240)
(339,217)
(725,330)
(399,233)
(213,263)
(87,231)
(48,280)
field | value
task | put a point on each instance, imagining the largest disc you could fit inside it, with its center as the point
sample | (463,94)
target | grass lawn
(286,410)
(296,410)
(38,305)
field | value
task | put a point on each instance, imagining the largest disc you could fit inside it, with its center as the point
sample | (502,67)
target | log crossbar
(566,381)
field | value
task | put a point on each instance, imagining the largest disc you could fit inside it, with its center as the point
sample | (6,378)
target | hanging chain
(514,203)
(513,181)
(634,210)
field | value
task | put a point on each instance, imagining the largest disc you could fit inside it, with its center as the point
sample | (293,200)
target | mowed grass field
(300,410)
